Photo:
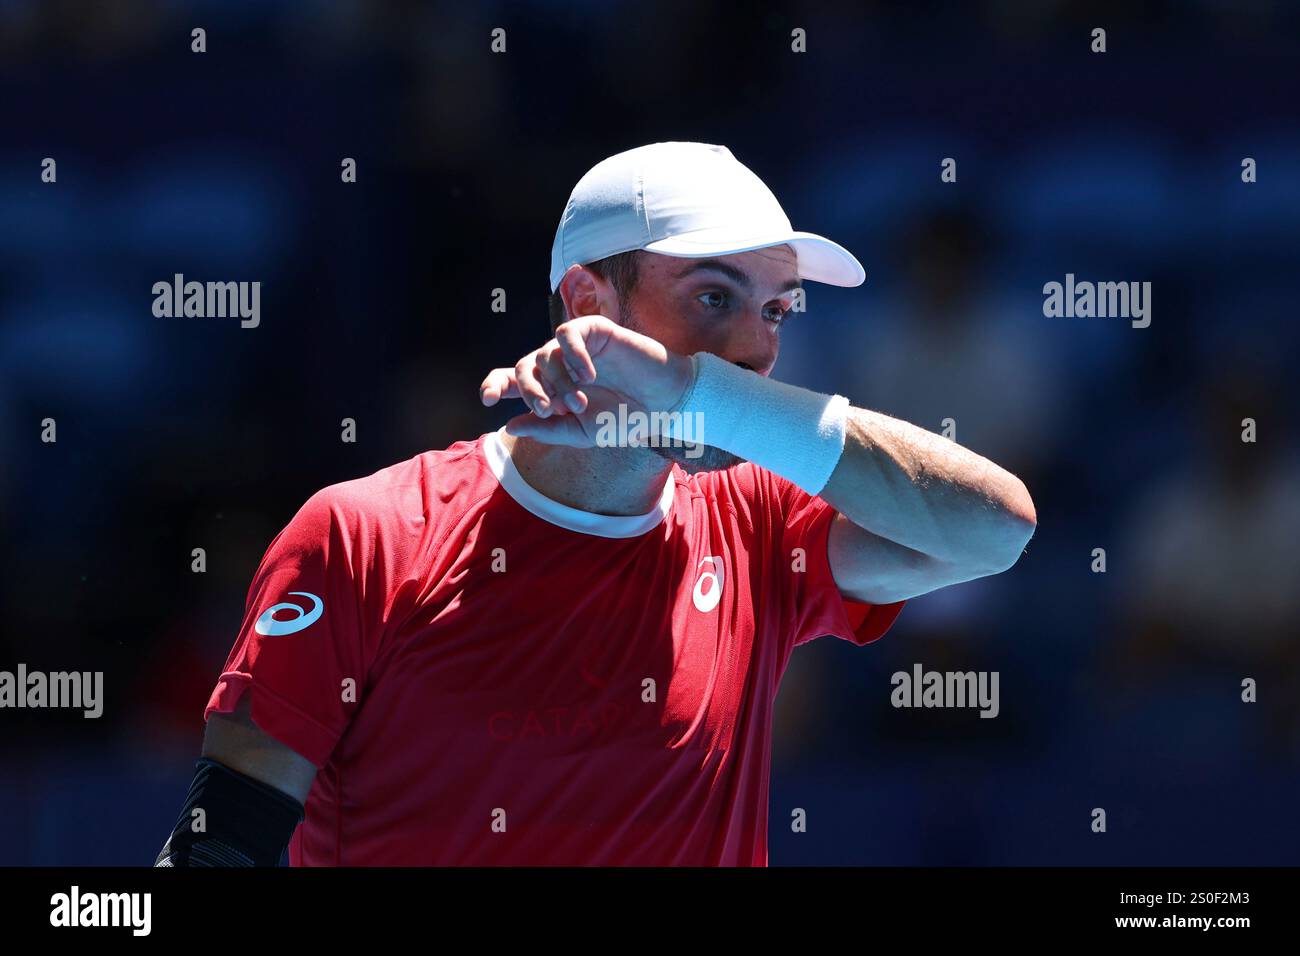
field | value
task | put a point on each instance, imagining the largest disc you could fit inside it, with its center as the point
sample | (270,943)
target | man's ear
(581,289)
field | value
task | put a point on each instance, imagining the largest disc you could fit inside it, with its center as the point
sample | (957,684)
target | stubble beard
(710,458)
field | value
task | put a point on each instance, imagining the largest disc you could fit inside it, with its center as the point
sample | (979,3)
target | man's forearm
(893,479)
(928,493)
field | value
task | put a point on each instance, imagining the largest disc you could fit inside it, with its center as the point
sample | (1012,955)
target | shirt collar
(564,516)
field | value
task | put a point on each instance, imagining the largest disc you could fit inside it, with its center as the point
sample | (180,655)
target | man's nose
(759,350)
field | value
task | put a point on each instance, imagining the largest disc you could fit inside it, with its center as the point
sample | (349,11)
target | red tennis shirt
(484,676)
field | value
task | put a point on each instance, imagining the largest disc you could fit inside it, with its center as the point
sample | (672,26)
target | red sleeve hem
(282,720)
(870,621)
(842,617)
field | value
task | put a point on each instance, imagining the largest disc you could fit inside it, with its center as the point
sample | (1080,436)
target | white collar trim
(574,519)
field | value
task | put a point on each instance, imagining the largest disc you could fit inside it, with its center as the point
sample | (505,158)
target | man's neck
(605,481)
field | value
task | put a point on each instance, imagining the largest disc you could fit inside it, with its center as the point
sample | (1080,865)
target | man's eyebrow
(731,272)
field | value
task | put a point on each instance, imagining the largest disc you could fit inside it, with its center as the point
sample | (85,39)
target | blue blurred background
(1118,690)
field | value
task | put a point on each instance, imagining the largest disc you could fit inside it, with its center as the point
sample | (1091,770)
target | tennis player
(560,643)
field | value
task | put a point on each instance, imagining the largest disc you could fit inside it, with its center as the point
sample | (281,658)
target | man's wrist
(687,372)
(792,431)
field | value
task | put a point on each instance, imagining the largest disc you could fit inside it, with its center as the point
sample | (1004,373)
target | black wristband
(241,821)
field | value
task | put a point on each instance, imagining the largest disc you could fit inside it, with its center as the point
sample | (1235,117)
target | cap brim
(819,259)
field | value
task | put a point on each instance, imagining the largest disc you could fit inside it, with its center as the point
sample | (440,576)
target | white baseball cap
(685,199)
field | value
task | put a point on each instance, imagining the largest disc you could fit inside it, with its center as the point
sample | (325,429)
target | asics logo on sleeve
(268,625)
(707,596)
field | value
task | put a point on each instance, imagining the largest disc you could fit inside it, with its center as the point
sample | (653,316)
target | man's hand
(592,365)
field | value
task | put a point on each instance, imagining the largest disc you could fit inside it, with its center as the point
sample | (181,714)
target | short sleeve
(813,601)
(307,636)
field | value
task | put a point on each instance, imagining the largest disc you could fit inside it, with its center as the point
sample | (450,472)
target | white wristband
(794,432)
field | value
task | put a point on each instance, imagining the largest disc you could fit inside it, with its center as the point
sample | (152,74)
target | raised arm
(919,512)
(916,511)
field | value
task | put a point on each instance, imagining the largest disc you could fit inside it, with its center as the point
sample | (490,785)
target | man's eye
(774,313)
(714,300)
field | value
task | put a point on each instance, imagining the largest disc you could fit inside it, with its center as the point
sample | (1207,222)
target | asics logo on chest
(708,586)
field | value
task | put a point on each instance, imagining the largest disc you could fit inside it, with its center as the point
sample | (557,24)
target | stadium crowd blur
(1119,690)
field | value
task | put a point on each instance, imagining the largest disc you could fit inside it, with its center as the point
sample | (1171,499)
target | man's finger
(574,348)
(565,430)
(560,386)
(499,383)
(532,389)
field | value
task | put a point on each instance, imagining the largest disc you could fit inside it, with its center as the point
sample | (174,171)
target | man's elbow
(1017,525)
(1004,538)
